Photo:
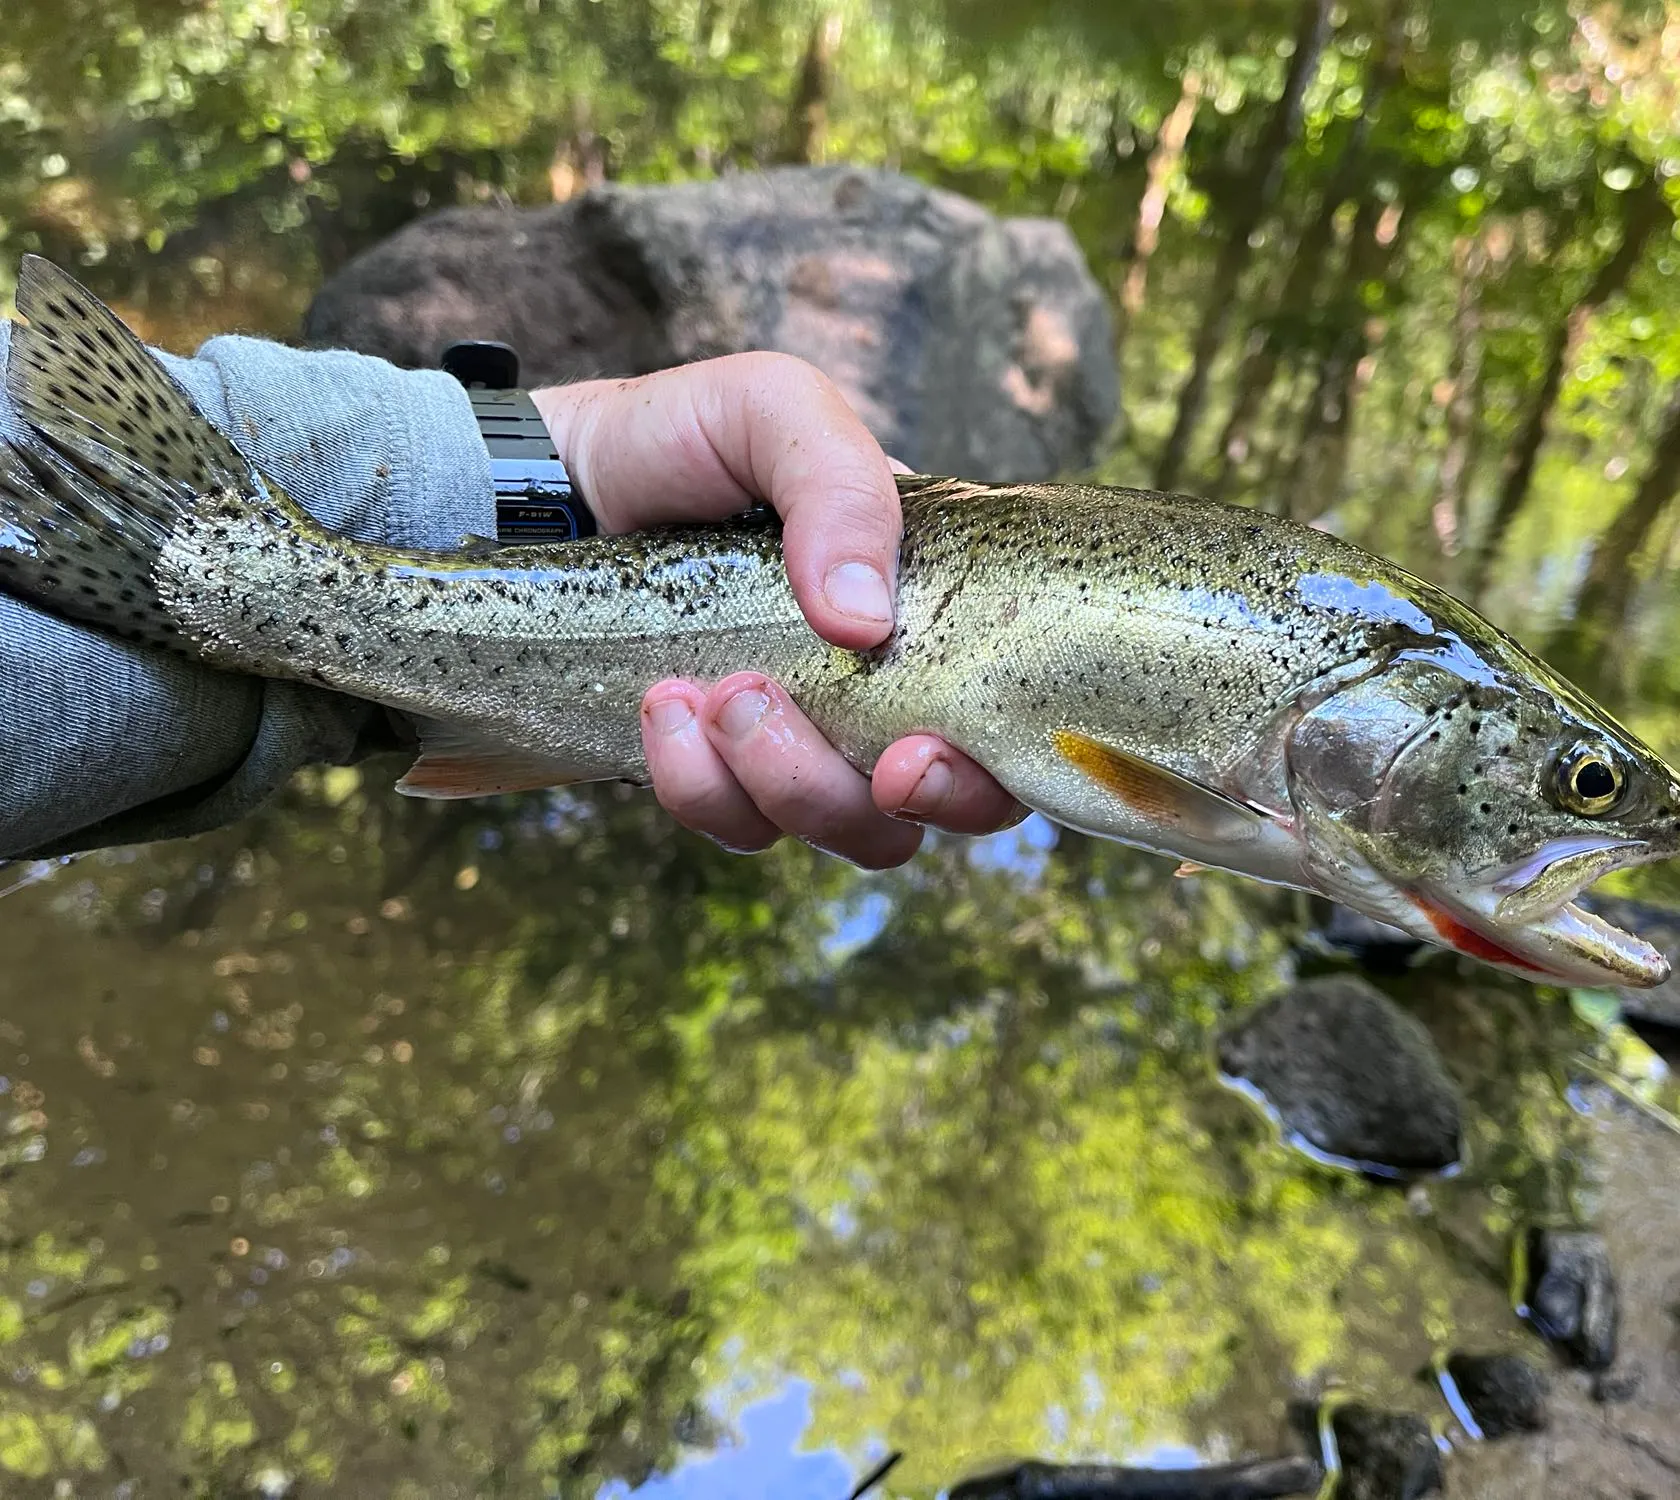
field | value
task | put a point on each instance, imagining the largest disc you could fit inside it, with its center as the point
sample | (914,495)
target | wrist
(569,412)
(536,497)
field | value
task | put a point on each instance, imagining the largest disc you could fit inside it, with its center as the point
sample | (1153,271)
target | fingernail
(858,589)
(932,792)
(670,716)
(740,715)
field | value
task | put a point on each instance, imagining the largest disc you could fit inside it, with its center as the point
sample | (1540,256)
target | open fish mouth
(1526,919)
(1618,956)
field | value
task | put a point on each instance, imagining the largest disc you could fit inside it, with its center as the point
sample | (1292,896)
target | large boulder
(970,345)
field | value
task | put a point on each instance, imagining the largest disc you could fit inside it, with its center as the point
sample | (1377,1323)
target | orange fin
(1164,797)
(1189,868)
(456,763)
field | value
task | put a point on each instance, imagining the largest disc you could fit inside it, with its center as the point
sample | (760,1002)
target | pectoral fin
(1164,797)
(455,763)
(474,545)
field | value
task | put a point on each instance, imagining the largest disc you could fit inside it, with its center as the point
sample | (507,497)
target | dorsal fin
(80,377)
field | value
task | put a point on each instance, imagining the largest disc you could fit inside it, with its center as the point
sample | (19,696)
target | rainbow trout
(1204,681)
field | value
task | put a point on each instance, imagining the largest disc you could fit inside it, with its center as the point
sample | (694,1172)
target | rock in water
(969,344)
(1375,945)
(1571,1294)
(1385,1455)
(1351,1074)
(1504,1394)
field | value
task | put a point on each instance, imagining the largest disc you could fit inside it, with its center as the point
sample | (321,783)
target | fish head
(1469,802)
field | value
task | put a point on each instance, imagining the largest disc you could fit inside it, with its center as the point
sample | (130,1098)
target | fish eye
(1588,780)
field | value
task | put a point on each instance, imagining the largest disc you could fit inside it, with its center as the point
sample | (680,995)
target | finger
(690,779)
(796,778)
(924,779)
(704,440)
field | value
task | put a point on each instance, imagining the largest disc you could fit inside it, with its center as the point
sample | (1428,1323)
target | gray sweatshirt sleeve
(105,743)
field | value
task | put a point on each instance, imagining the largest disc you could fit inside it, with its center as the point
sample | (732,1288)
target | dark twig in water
(80,1294)
(1259,1479)
(876,1475)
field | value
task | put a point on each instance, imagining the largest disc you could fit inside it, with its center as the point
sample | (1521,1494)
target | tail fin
(112,455)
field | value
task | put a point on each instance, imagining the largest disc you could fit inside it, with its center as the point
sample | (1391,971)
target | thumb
(702,441)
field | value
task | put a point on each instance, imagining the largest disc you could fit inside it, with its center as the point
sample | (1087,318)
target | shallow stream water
(374,1147)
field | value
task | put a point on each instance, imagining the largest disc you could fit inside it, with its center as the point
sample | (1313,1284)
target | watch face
(530,518)
(535,499)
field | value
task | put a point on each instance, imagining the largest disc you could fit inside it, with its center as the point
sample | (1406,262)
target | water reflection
(766,1458)
(424,1149)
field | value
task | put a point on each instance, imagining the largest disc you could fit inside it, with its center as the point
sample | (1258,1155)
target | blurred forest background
(1404,269)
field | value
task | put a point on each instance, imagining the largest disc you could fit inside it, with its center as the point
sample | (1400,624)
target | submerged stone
(1385,1455)
(1373,944)
(1571,1294)
(1614,1390)
(1350,1074)
(1503,1392)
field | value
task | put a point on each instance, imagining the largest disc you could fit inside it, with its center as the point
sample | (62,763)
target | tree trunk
(1285,421)
(1261,180)
(1643,210)
(1606,585)
(1316,477)
(1464,403)
(1260,361)
(580,158)
(807,124)
(1163,165)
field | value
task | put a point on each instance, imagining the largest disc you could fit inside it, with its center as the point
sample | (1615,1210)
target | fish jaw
(1526,921)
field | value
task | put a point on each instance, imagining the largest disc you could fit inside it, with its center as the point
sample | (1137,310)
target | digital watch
(536,500)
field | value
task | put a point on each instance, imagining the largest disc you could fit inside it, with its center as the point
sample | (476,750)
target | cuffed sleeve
(105,743)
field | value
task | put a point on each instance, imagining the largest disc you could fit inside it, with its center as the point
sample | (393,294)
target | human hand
(736,759)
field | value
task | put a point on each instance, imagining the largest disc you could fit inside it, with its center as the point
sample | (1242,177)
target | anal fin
(456,763)
(1164,797)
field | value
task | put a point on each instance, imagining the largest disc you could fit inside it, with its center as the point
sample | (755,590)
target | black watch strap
(536,500)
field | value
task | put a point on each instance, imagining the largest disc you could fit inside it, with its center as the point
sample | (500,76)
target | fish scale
(1206,681)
